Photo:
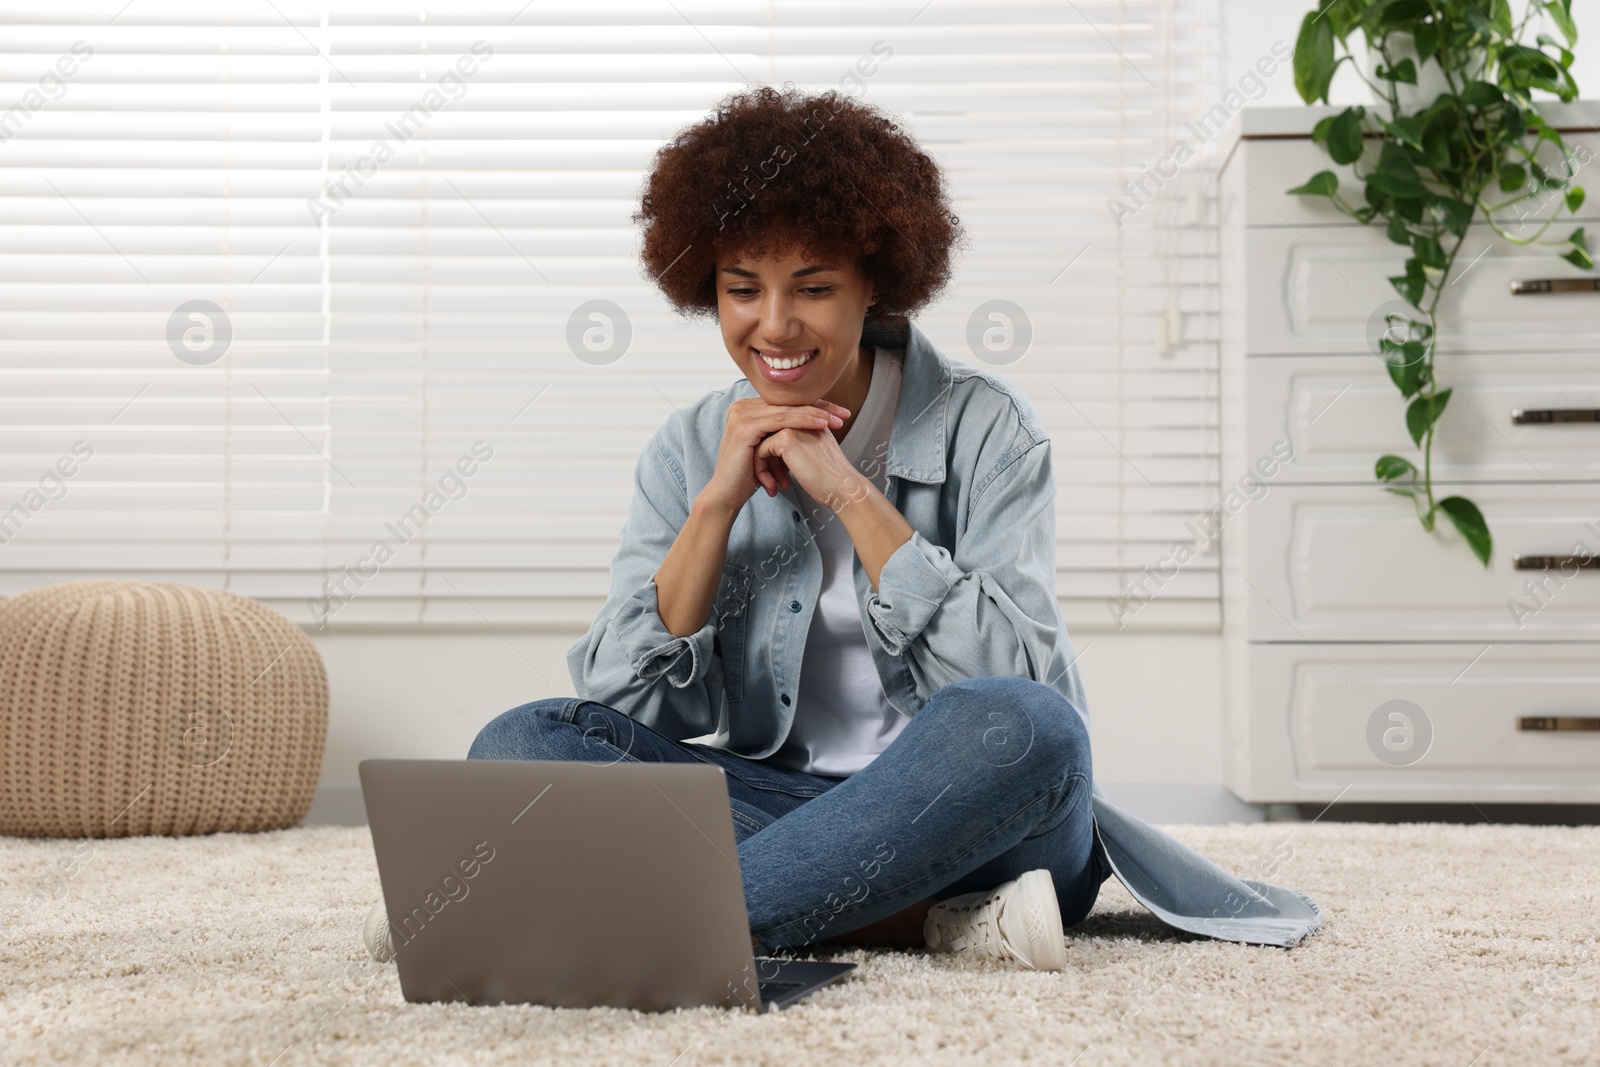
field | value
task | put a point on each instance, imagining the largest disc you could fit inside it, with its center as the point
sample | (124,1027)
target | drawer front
(1319,291)
(1340,413)
(1349,563)
(1418,722)
(1273,165)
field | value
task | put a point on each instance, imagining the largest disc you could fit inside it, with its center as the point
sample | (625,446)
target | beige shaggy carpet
(1442,944)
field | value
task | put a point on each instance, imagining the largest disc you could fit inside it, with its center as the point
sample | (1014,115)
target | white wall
(1154,699)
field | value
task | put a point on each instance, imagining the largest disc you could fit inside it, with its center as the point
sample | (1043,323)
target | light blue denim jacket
(972,593)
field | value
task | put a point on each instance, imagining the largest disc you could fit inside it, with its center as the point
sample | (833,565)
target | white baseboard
(1158,803)
(341,805)
(337,805)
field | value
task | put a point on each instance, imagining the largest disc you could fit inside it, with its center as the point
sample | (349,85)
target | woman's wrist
(876,528)
(709,510)
(687,580)
(853,488)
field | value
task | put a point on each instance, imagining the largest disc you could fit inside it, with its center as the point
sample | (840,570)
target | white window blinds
(290,293)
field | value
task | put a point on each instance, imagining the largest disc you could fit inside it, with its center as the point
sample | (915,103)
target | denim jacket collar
(916,444)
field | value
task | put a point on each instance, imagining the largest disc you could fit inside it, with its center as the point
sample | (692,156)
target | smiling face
(793,323)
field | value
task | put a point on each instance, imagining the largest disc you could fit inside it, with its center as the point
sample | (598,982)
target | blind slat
(380,331)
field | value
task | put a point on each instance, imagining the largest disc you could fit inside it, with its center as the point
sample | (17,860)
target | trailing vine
(1436,169)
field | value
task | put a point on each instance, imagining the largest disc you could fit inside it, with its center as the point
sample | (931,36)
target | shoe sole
(372,932)
(1039,885)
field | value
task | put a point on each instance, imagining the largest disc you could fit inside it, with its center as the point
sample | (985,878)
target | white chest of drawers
(1368,659)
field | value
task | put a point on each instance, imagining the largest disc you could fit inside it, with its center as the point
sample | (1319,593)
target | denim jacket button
(795,515)
(794,605)
(785,698)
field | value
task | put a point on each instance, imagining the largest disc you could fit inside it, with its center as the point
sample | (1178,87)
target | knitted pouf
(130,708)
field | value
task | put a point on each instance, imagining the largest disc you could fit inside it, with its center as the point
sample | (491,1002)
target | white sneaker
(1020,921)
(376,934)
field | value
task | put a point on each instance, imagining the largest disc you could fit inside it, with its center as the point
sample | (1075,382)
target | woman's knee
(516,734)
(1011,722)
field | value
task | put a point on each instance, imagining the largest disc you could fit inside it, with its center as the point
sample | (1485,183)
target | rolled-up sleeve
(652,651)
(988,607)
(629,660)
(912,586)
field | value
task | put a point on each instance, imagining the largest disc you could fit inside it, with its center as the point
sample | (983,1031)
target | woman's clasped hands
(773,446)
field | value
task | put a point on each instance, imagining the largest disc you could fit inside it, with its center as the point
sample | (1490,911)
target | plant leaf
(1410,208)
(1345,17)
(1313,58)
(1545,131)
(1423,412)
(1344,135)
(1388,468)
(1397,231)
(1403,71)
(1428,251)
(1402,15)
(1411,284)
(1512,177)
(1575,197)
(1436,140)
(1513,122)
(1579,256)
(1407,129)
(1409,372)
(1427,40)
(1469,520)
(1322,183)
(1523,67)
(1563,55)
(1500,15)
(1480,94)
(1395,174)
(1403,285)
(1535,61)
(1560,12)
(1455,214)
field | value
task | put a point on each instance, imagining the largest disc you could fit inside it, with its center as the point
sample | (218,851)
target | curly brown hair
(776,170)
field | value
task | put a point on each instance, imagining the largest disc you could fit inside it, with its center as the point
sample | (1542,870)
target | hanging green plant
(1455,77)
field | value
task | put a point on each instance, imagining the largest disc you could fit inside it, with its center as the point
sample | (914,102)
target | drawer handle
(1563,723)
(1555,285)
(1551,563)
(1522,416)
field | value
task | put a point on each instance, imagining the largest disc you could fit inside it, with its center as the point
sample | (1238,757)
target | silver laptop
(569,884)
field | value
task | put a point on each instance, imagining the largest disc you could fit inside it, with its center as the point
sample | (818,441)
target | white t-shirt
(842,719)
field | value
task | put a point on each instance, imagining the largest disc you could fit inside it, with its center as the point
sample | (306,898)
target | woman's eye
(816,289)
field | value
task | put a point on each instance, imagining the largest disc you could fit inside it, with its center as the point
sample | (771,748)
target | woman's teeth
(787,364)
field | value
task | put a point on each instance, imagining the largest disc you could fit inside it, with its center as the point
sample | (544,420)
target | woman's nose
(777,318)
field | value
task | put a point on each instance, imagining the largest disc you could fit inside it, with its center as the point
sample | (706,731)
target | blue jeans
(991,778)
